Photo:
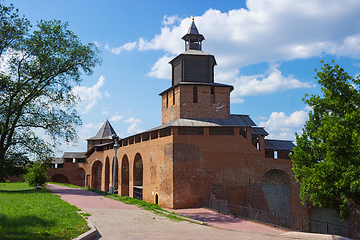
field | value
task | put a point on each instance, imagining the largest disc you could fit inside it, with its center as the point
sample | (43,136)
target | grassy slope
(26,213)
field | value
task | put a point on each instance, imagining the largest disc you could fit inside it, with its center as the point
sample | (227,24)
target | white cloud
(89,96)
(269,82)
(116,118)
(90,128)
(236,100)
(357,64)
(7,59)
(307,108)
(104,112)
(133,129)
(281,126)
(4,61)
(170,20)
(169,39)
(126,47)
(268,31)
(107,94)
(97,43)
(162,68)
(133,120)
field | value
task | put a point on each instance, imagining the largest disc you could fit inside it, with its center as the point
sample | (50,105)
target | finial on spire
(193,38)
(107,119)
(192,18)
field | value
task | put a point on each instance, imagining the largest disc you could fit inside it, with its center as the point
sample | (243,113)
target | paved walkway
(215,219)
(117,220)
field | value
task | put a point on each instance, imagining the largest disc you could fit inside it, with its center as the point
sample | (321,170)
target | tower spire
(193,38)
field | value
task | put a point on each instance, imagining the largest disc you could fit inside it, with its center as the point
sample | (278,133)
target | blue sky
(266,49)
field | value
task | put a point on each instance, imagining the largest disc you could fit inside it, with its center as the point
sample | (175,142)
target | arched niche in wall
(125,176)
(138,170)
(59,178)
(96,172)
(80,177)
(138,177)
(275,184)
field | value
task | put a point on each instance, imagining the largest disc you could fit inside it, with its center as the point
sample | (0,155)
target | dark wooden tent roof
(193,33)
(105,132)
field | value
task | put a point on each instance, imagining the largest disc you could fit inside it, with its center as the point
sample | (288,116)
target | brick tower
(193,93)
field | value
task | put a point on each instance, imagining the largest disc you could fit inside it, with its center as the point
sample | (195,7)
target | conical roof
(193,34)
(105,132)
(192,29)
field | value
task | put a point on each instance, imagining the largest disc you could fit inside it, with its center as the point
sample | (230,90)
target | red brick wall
(201,161)
(72,171)
(181,169)
(156,156)
(171,111)
(185,107)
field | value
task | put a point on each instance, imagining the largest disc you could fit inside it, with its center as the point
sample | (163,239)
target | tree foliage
(38,70)
(326,160)
(36,174)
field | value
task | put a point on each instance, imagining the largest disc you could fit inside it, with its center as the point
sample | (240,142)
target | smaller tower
(104,135)
(193,38)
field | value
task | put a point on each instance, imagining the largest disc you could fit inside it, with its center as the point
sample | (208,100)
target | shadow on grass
(24,221)
(25,191)
(30,237)
(23,227)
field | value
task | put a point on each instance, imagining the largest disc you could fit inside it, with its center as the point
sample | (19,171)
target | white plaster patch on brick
(218,107)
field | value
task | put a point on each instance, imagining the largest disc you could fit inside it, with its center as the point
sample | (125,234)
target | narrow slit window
(195,94)
(167,99)
(173,93)
(212,94)
(275,154)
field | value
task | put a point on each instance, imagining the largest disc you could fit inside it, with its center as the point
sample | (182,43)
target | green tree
(36,174)
(326,159)
(38,70)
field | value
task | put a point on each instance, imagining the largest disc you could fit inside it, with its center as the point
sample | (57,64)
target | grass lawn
(27,213)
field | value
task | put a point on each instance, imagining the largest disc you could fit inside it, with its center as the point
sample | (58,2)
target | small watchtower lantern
(193,38)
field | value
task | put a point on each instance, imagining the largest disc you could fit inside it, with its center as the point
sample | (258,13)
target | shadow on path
(87,199)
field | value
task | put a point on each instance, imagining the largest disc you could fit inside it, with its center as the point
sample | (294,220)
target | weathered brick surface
(182,169)
(185,107)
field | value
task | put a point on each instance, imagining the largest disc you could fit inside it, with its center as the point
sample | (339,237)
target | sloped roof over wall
(57,160)
(279,144)
(74,155)
(232,121)
(259,131)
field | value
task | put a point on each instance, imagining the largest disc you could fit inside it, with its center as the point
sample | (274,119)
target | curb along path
(116,220)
